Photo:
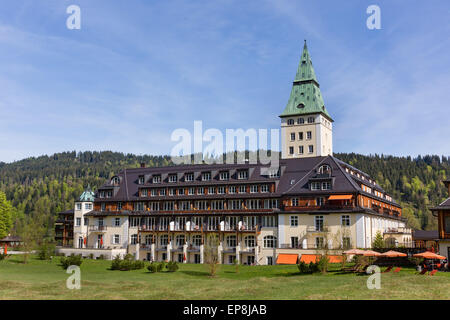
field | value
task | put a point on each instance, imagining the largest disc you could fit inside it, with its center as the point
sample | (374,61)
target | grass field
(47,280)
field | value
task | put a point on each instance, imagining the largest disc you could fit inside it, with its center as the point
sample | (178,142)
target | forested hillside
(48,184)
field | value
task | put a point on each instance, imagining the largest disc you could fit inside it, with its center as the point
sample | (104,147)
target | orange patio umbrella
(354,251)
(429,255)
(393,254)
(371,253)
(6,249)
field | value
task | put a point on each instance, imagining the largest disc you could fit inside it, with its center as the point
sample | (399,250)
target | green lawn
(47,280)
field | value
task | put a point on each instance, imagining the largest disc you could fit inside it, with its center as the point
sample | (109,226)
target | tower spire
(305,97)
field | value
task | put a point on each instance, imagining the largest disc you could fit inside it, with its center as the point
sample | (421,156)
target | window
(300,121)
(217,205)
(156,179)
(134,239)
(252,204)
(300,150)
(211,190)
(249,241)
(173,178)
(154,206)
(274,173)
(141,180)
(189,177)
(290,122)
(171,192)
(119,206)
(180,191)
(310,148)
(264,188)
(103,207)
(326,185)
(162,192)
(163,240)
(320,201)
(117,222)
(115,181)
(292,136)
(144,192)
(447,224)
(270,203)
(86,221)
(346,243)
(294,221)
(269,221)
(232,189)
(315,185)
(88,206)
(270,261)
(318,223)
(206,176)
(78,205)
(243,174)
(310,119)
(200,190)
(180,240)
(300,136)
(197,240)
(221,190)
(201,205)
(78,223)
(191,191)
(116,239)
(345,220)
(294,202)
(325,169)
(308,135)
(253,189)
(138,206)
(234,204)
(224,175)
(231,241)
(319,242)
(294,242)
(270,242)
(291,150)
(242,189)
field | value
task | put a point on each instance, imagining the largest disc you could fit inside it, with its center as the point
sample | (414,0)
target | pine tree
(378,241)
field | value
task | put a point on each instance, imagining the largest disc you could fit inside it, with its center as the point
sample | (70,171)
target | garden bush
(76,260)
(308,267)
(126,263)
(172,266)
(46,251)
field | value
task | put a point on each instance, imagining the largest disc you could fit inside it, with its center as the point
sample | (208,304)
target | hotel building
(311,201)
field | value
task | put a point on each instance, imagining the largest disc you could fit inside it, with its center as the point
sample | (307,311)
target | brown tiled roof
(295,175)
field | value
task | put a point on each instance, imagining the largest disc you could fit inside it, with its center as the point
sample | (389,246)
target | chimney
(142,164)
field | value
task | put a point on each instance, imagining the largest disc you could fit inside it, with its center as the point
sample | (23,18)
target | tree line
(42,186)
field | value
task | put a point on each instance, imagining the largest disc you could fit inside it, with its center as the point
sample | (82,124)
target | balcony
(193,248)
(313,229)
(95,228)
(144,228)
(398,230)
(327,207)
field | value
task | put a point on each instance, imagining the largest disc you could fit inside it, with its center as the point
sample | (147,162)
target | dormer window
(325,169)
(156,179)
(301,106)
(242,174)
(173,178)
(115,180)
(206,176)
(224,175)
(141,180)
(189,177)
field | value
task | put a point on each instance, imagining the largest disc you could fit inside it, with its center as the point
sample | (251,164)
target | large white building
(311,202)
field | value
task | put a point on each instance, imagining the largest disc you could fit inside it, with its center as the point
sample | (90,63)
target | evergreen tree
(5,215)
(378,241)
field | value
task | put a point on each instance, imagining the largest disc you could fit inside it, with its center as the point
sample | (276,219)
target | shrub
(322,263)
(71,260)
(153,267)
(161,266)
(172,266)
(307,268)
(91,256)
(101,257)
(2,256)
(126,263)
(46,251)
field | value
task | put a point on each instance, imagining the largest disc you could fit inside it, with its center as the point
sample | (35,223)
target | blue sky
(137,70)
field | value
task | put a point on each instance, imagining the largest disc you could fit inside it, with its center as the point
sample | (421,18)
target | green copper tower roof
(88,195)
(306,97)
